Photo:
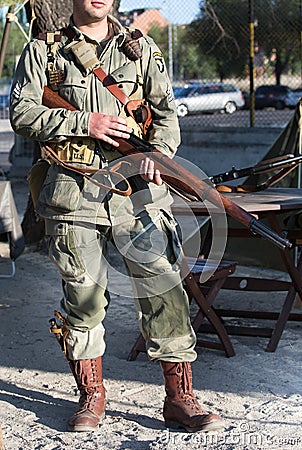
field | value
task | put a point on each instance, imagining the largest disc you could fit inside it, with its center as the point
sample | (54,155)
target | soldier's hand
(106,127)
(148,173)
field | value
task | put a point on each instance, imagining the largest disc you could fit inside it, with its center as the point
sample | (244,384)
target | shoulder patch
(16,92)
(158,56)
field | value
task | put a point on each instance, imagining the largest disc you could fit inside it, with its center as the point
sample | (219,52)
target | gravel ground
(259,394)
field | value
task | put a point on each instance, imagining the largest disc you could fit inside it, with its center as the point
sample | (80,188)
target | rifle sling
(110,84)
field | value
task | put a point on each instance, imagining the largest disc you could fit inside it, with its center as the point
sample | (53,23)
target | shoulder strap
(82,51)
(52,40)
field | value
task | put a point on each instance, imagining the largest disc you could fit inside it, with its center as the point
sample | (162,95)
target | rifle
(180,179)
(284,164)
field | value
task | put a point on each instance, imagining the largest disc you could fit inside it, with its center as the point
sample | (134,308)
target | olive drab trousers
(150,249)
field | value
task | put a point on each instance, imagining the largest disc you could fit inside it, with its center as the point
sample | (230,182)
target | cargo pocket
(61,191)
(174,248)
(63,250)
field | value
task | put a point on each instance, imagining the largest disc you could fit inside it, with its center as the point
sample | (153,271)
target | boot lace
(185,388)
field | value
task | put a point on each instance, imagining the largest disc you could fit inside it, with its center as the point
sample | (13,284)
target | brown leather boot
(181,408)
(88,375)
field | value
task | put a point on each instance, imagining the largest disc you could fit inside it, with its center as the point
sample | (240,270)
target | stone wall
(216,150)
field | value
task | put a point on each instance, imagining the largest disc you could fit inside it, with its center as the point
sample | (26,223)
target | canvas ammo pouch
(76,150)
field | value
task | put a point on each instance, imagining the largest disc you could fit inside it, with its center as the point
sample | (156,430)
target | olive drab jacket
(64,194)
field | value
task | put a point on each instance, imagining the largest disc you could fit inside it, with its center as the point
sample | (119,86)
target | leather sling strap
(106,79)
(86,172)
(111,85)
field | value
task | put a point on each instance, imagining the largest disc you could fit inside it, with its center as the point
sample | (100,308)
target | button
(73,130)
(121,75)
(82,81)
(85,131)
(120,86)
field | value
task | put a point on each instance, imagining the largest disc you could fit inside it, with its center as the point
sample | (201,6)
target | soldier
(81,216)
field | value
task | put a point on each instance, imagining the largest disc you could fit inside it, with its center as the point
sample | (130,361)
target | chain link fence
(243,44)
(219,54)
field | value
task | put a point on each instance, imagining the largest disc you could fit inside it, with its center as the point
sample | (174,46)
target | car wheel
(279,105)
(182,110)
(230,108)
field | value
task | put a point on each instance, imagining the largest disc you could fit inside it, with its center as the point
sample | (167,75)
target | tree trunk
(115,7)
(50,15)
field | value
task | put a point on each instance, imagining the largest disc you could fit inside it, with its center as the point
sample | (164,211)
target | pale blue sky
(177,11)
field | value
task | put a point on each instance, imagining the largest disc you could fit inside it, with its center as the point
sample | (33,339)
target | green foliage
(160,36)
(187,61)
(6,3)
(14,48)
(223,32)
(278,33)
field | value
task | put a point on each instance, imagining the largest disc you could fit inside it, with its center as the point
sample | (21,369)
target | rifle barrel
(265,166)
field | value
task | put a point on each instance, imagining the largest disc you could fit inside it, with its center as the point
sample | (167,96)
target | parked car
(296,95)
(274,96)
(178,90)
(209,97)
(246,97)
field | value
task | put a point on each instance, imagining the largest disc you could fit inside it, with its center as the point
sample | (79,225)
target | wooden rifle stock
(178,177)
(52,100)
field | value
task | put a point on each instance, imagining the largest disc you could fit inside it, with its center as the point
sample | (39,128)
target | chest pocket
(74,85)
(126,79)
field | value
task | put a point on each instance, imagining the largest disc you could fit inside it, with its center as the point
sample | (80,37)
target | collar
(118,31)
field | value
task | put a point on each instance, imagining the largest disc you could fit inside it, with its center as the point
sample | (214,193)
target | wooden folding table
(268,204)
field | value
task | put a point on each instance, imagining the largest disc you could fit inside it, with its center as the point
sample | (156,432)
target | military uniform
(81,217)
(77,212)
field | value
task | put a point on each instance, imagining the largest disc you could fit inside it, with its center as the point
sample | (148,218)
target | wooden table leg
(295,274)
(139,346)
(284,314)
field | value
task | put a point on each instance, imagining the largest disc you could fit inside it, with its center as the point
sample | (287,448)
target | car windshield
(182,91)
